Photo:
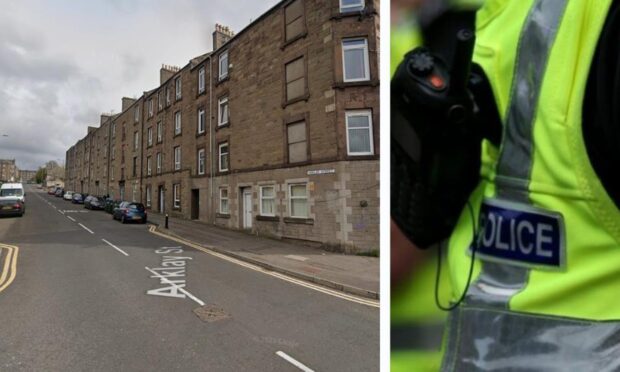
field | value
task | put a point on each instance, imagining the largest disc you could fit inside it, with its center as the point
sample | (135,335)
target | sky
(63,63)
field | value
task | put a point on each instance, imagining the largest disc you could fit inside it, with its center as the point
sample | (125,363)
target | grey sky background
(63,63)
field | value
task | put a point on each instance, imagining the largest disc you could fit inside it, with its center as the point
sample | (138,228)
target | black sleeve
(601,106)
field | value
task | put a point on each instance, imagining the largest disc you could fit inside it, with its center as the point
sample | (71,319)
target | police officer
(546,237)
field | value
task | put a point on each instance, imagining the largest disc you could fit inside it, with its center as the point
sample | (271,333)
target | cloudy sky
(63,62)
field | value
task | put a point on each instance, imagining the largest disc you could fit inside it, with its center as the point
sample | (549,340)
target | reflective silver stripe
(416,337)
(497,283)
(498,340)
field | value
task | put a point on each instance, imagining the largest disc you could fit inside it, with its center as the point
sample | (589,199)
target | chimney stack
(221,35)
(104,118)
(126,103)
(166,72)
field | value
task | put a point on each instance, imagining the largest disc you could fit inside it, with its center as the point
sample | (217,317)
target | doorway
(161,193)
(195,204)
(246,195)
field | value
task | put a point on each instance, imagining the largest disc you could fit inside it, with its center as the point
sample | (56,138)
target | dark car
(59,193)
(93,202)
(110,205)
(12,207)
(77,198)
(127,212)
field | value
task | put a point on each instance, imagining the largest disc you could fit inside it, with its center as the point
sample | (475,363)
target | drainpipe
(211,137)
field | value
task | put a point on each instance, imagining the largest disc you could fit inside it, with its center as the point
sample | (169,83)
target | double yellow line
(9,268)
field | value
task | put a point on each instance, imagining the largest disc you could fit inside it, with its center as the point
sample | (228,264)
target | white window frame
(224,199)
(149,136)
(151,108)
(148,196)
(291,197)
(261,197)
(176,196)
(223,57)
(160,100)
(366,76)
(347,8)
(113,129)
(202,120)
(201,79)
(159,163)
(149,164)
(219,156)
(136,114)
(178,86)
(136,141)
(177,123)
(201,161)
(221,102)
(160,131)
(177,158)
(113,152)
(367,113)
(168,100)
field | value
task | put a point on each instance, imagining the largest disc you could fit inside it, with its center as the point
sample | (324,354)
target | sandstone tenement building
(276,130)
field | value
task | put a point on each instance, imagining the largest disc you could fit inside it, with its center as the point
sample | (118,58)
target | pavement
(358,275)
(90,293)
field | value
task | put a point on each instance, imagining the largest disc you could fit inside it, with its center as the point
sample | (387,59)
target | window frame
(151,107)
(177,123)
(178,88)
(159,163)
(136,141)
(288,143)
(343,9)
(201,162)
(149,136)
(219,156)
(201,79)
(304,94)
(290,199)
(261,197)
(136,114)
(177,158)
(176,196)
(149,166)
(202,113)
(148,196)
(223,100)
(367,113)
(224,199)
(160,131)
(222,56)
(303,32)
(366,59)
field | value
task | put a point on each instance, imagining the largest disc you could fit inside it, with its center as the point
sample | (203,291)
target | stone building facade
(275,131)
(8,170)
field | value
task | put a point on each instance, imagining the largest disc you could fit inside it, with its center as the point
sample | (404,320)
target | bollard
(166,224)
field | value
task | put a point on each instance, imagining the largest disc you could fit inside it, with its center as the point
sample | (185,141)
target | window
(359,133)
(158,162)
(124,133)
(113,129)
(167,96)
(111,174)
(201,161)
(136,114)
(298,200)
(222,109)
(134,169)
(351,5)
(136,141)
(148,166)
(295,79)
(160,100)
(294,19)
(201,121)
(177,123)
(113,152)
(297,144)
(223,164)
(355,60)
(148,196)
(176,195)
(177,158)
(151,108)
(177,84)
(224,201)
(149,136)
(223,60)
(134,192)
(267,201)
(160,130)
(201,80)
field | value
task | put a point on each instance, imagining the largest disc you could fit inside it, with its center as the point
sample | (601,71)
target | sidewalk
(357,275)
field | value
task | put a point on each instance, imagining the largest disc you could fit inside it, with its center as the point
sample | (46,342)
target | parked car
(128,211)
(12,190)
(59,193)
(68,195)
(110,205)
(94,202)
(77,198)
(12,207)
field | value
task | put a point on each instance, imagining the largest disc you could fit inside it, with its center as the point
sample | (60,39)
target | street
(90,293)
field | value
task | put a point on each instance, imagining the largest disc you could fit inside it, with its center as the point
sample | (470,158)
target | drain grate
(211,313)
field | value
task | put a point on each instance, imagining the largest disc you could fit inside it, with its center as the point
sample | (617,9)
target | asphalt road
(79,303)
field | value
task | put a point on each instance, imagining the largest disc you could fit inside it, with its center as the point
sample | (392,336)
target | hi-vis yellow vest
(545,294)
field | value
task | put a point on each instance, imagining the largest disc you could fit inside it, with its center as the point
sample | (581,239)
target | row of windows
(297,200)
(359,142)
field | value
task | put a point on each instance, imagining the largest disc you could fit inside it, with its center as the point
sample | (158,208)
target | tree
(41,175)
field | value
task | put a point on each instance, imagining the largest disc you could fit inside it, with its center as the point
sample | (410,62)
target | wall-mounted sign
(320,171)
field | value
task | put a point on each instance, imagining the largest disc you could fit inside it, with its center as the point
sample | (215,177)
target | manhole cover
(211,313)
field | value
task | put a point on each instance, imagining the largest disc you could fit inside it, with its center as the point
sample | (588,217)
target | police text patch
(520,234)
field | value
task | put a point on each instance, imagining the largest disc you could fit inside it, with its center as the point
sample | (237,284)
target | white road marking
(180,289)
(294,257)
(115,247)
(61,212)
(86,228)
(71,218)
(294,362)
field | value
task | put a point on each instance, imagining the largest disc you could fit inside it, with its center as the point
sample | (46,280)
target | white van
(12,191)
